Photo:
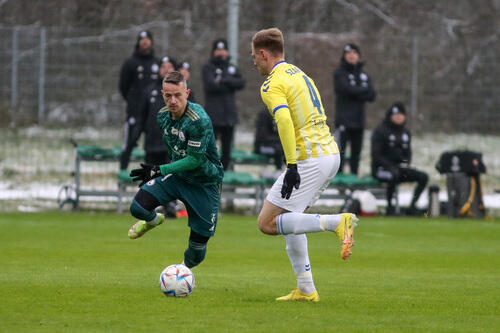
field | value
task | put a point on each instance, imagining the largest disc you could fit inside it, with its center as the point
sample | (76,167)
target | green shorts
(201,201)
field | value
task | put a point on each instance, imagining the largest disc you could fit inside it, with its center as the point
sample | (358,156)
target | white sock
(300,223)
(296,248)
(153,221)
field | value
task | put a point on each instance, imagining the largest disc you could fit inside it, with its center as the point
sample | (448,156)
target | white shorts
(315,176)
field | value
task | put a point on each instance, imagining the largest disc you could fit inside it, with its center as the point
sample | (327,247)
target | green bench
(242,185)
(71,193)
(239,156)
(236,185)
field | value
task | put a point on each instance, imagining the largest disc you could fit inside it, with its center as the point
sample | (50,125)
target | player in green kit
(193,176)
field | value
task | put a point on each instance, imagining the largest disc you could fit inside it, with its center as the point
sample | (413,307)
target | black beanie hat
(170,60)
(144,34)
(219,43)
(351,46)
(397,107)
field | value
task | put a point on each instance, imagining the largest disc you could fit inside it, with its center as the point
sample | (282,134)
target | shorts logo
(194,143)
(151,182)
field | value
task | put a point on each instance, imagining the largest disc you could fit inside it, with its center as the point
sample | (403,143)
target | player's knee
(266,226)
(146,200)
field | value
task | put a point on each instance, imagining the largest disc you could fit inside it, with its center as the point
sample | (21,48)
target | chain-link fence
(69,76)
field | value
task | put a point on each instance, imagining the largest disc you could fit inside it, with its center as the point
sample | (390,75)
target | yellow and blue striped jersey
(287,87)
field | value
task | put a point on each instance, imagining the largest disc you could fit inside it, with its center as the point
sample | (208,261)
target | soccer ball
(177,280)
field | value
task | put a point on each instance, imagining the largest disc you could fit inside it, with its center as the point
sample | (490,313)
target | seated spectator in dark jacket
(267,140)
(391,156)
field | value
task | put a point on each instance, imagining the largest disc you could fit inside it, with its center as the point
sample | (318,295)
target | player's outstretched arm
(190,162)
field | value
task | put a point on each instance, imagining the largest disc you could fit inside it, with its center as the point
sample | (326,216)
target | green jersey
(192,134)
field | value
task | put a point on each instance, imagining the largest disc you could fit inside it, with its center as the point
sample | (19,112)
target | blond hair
(270,40)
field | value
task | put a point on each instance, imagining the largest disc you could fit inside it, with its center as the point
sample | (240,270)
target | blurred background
(61,63)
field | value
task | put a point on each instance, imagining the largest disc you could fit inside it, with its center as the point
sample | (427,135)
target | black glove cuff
(291,166)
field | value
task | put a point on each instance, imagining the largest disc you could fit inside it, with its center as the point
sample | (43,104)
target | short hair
(270,40)
(175,77)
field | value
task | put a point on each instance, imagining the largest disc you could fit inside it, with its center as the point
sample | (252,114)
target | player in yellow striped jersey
(312,159)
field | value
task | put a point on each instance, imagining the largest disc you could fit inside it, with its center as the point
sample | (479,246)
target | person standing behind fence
(391,157)
(353,88)
(221,80)
(137,72)
(152,102)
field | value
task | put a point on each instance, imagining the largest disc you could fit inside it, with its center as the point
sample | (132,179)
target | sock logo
(308,267)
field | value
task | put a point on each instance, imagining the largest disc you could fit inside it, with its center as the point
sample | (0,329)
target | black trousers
(225,134)
(355,137)
(133,130)
(402,175)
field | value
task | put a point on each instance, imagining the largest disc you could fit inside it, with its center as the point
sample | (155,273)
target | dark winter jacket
(220,81)
(138,72)
(151,102)
(391,145)
(353,89)
(266,132)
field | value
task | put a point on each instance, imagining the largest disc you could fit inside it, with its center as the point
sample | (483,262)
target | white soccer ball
(177,281)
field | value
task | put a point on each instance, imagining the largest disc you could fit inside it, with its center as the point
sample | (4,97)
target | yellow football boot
(345,231)
(141,227)
(297,295)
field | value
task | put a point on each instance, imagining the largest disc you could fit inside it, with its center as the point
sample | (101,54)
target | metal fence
(69,75)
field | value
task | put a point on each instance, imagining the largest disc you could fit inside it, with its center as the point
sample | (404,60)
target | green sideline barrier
(98,153)
(342,179)
(124,176)
(353,180)
(243,157)
(240,178)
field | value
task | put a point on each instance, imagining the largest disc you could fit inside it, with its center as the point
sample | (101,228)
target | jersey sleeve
(274,96)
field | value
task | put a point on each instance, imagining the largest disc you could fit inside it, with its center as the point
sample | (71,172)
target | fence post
(164,38)
(13,93)
(232,29)
(41,77)
(414,78)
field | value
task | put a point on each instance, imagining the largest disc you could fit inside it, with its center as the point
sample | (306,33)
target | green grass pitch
(78,272)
